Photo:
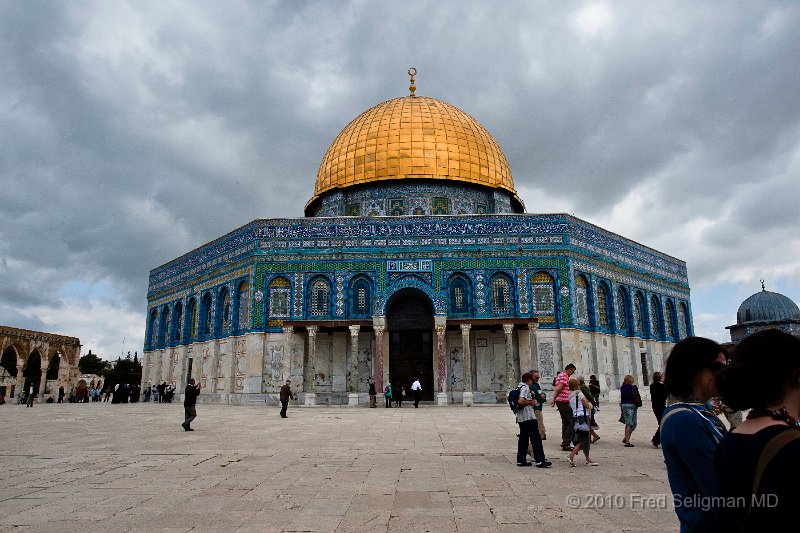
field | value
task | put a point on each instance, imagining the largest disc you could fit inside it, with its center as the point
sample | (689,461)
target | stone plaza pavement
(130,467)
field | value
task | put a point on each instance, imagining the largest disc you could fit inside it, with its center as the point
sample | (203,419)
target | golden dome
(413,137)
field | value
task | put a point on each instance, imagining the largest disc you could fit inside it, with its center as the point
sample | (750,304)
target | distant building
(44,360)
(765,310)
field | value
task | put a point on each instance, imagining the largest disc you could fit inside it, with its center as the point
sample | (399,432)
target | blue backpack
(513,400)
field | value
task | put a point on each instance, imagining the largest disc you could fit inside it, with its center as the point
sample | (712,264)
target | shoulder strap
(667,415)
(769,452)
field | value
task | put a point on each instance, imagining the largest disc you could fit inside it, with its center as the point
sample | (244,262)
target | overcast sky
(133,132)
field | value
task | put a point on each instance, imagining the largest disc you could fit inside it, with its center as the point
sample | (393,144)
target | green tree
(91,364)
(124,371)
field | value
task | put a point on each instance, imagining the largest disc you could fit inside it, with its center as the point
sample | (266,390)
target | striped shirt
(563,379)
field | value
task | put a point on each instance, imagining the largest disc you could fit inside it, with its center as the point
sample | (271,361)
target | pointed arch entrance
(33,371)
(409,319)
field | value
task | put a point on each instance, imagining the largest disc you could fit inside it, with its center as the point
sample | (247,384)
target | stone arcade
(28,356)
(415,259)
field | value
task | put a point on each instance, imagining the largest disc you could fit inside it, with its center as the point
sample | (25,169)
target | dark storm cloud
(133,133)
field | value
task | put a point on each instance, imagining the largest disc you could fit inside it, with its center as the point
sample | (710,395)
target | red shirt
(563,379)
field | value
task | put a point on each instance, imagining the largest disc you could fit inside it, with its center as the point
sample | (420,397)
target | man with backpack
(522,403)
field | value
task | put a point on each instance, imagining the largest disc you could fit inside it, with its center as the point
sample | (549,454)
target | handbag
(581,421)
(637,398)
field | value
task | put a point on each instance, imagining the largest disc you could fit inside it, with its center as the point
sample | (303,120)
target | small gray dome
(766,306)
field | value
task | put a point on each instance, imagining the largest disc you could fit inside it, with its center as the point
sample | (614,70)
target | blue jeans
(529,431)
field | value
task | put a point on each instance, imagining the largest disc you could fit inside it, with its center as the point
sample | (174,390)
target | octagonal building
(415,259)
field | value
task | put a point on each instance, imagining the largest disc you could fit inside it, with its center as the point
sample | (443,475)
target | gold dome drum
(413,137)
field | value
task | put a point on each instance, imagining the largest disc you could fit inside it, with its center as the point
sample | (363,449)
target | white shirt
(416,386)
(578,409)
(526,413)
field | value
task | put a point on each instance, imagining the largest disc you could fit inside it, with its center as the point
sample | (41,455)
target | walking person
(690,432)
(31,396)
(594,388)
(190,403)
(416,390)
(398,399)
(561,400)
(373,394)
(587,393)
(658,399)
(581,408)
(285,394)
(759,461)
(629,403)
(541,399)
(528,430)
(387,395)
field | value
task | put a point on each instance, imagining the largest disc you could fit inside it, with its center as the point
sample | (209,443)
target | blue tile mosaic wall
(418,198)
(386,250)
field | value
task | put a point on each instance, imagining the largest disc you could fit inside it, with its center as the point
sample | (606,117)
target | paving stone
(132,468)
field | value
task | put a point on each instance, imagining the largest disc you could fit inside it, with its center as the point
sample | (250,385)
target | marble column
(508,330)
(378,366)
(311,369)
(352,399)
(44,363)
(21,378)
(467,364)
(441,396)
(288,331)
(534,347)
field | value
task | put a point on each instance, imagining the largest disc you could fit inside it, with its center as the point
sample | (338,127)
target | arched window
(243,307)
(177,323)
(459,296)
(581,301)
(205,316)
(542,289)
(655,318)
(501,295)
(223,314)
(622,311)
(685,321)
(166,330)
(360,298)
(52,368)
(668,322)
(602,306)
(638,313)
(320,298)
(153,329)
(279,297)
(192,318)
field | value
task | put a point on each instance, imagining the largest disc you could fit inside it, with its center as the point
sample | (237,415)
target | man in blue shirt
(690,432)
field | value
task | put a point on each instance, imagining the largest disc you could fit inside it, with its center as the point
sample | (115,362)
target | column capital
(440,329)
(379,330)
(508,328)
(354,329)
(533,326)
(288,330)
(311,330)
(465,329)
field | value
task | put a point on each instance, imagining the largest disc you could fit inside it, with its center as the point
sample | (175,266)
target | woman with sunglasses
(759,462)
(690,432)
